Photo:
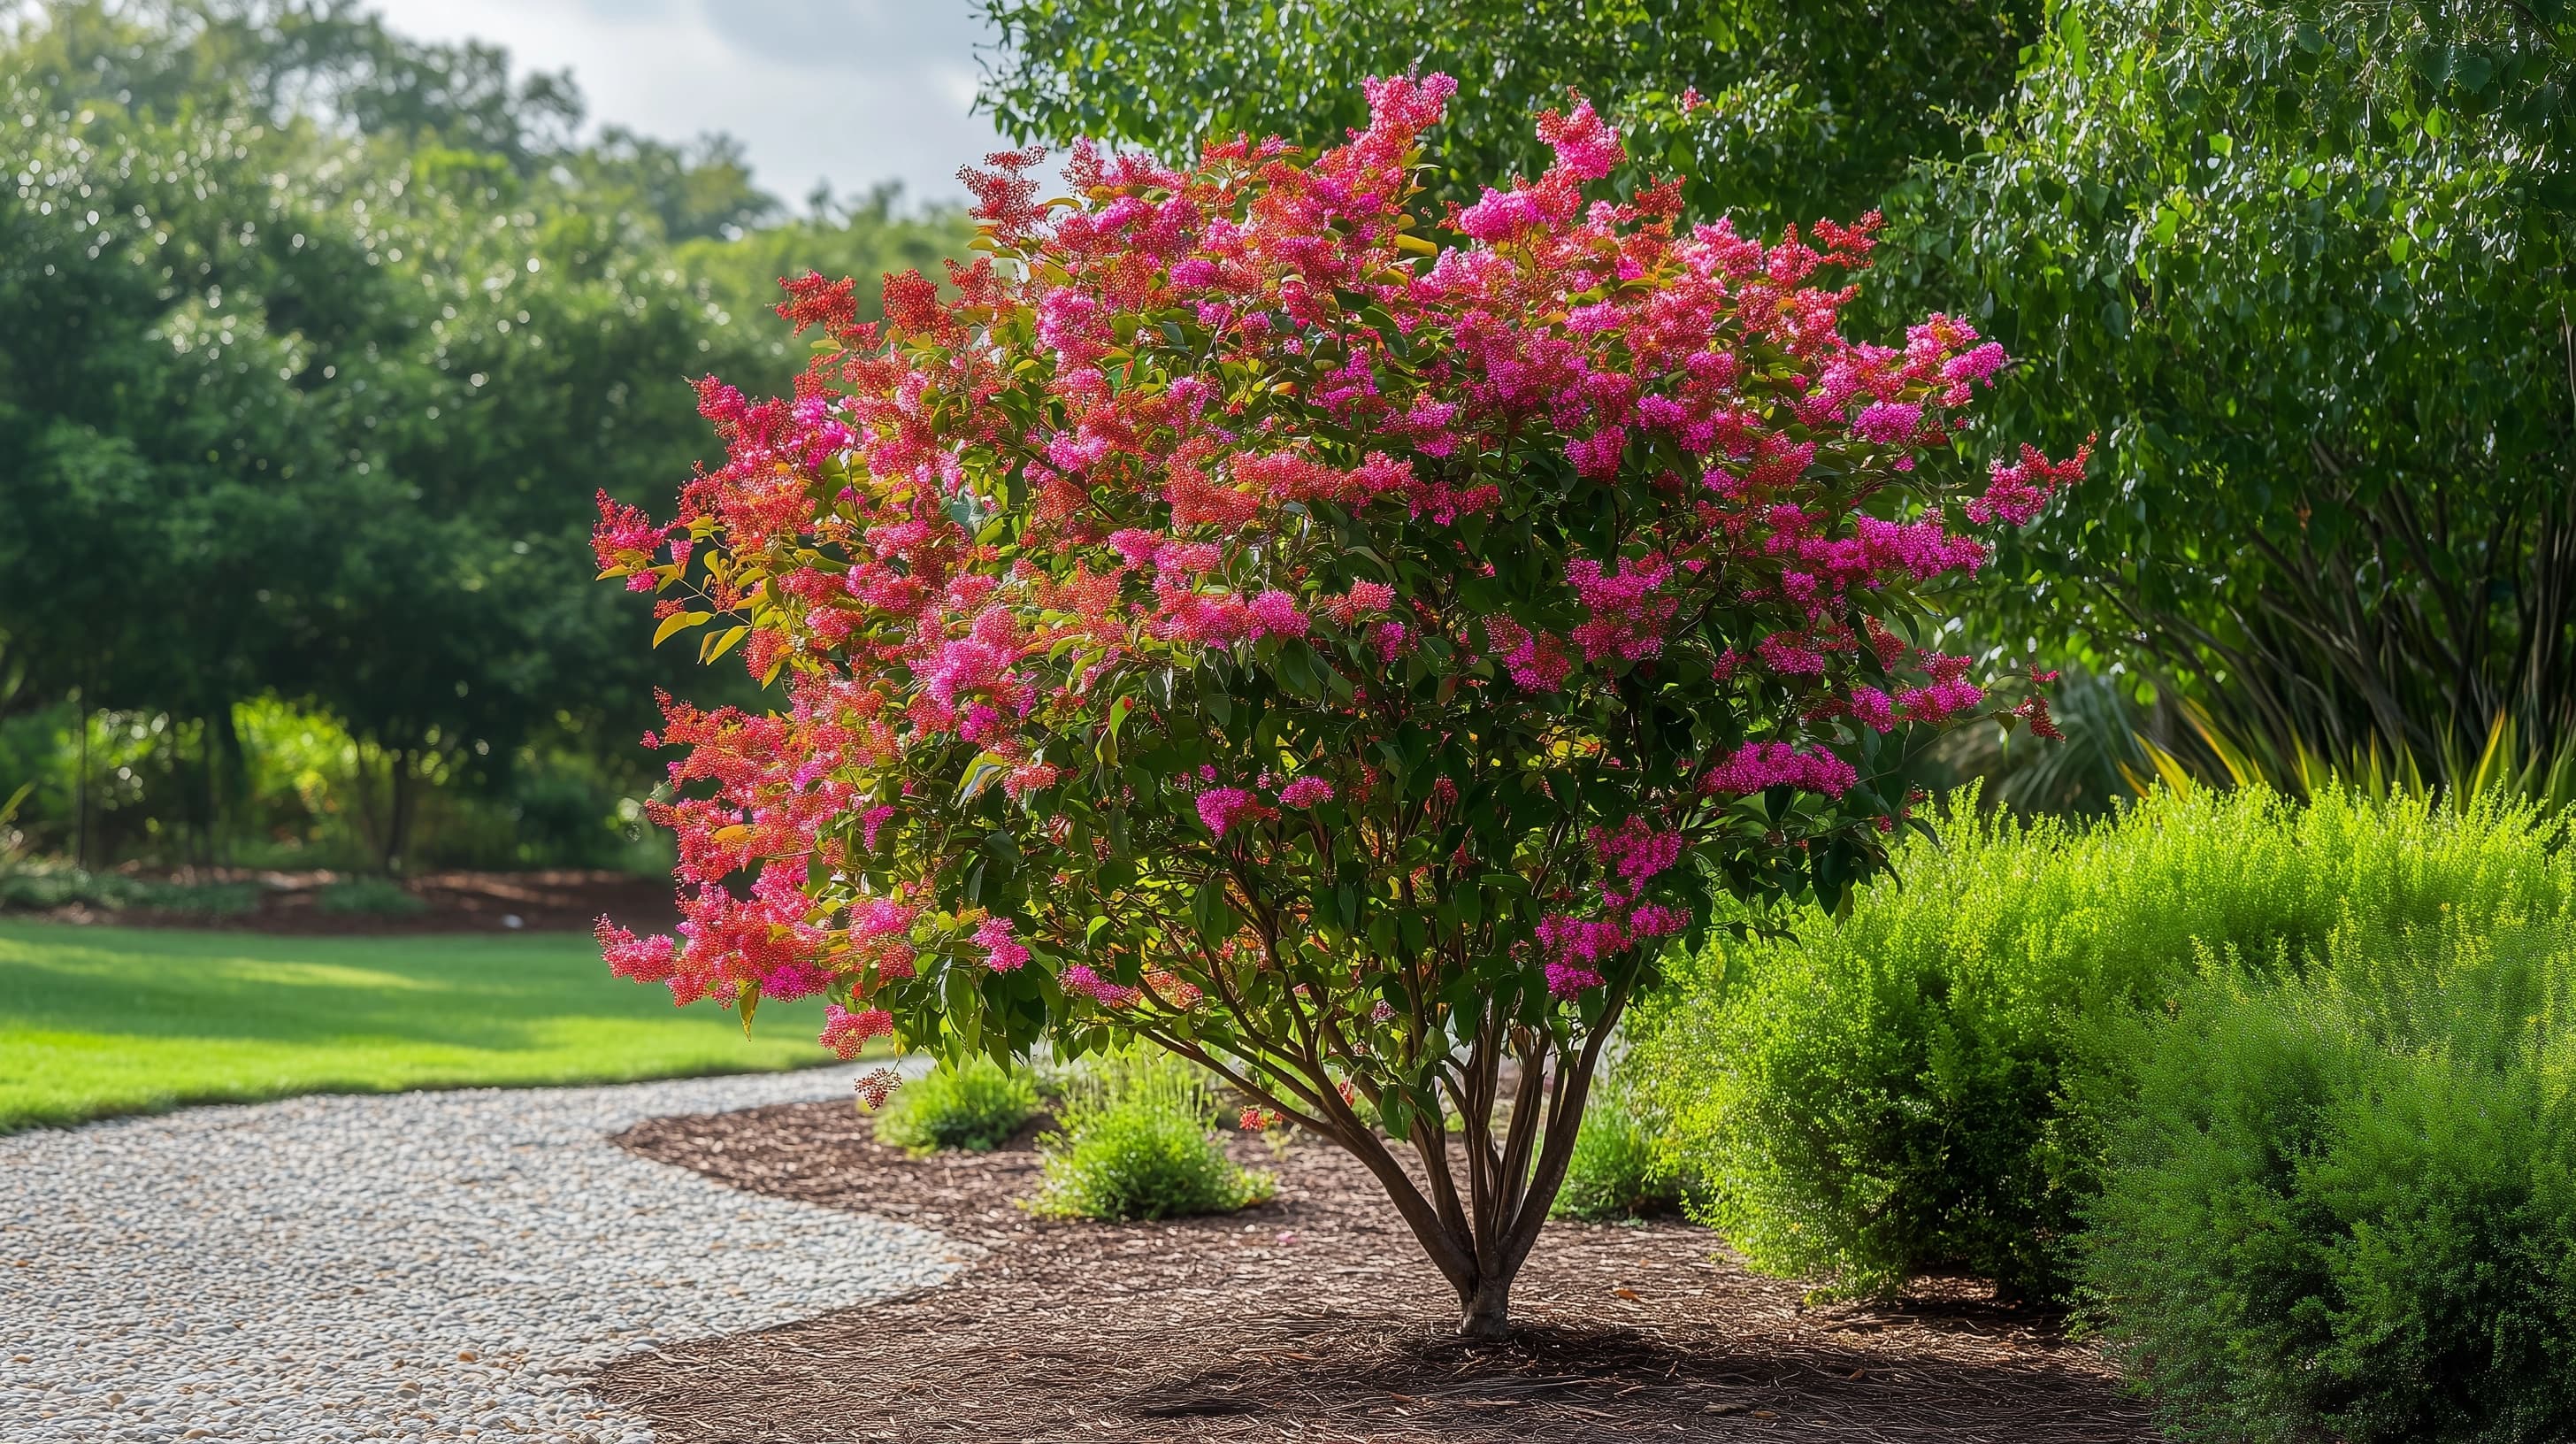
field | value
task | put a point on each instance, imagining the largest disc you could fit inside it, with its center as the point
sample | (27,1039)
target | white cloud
(853,91)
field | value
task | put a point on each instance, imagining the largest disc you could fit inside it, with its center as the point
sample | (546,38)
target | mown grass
(99,1021)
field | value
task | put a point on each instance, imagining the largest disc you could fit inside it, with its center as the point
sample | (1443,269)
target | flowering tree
(1345,658)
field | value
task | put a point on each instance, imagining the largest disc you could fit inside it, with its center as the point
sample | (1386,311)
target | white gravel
(411,1266)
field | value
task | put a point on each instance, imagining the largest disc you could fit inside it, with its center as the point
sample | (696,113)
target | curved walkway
(411,1266)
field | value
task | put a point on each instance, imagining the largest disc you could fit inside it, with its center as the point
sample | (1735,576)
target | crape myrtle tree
(1340,642)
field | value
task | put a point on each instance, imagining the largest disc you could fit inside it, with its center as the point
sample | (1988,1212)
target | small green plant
(2342,1204)
(1135,1141)
(1618,1171)
(976,1107)
(371,896)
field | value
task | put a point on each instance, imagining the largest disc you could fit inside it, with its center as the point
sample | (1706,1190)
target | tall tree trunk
(80,792)
(227,777)
(405,790)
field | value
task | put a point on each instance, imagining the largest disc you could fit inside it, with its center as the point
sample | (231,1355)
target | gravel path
(412,1266)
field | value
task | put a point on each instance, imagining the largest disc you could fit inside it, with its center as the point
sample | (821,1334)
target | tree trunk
(398,814)
(1477,1237)
(1485,1313)
(80,792)
(227,779)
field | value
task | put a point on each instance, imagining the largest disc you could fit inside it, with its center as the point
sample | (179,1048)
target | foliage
(1134,1141)
(2343,1206)
(1620,1168)
(2307,267)
(1345,657)
(372,896)
(1886,1092)
(308,325)
(2113,745)
(101,1021)
(1775,112)
(44,887)
(976,1105)
(2540,771)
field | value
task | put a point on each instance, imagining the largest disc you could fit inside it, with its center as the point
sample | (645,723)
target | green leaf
(982,772)
(720,643)
(678,622)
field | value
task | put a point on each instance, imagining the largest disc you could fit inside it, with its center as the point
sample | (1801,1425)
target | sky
(850,91)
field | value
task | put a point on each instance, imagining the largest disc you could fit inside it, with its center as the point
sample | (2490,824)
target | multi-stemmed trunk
(1510,1153)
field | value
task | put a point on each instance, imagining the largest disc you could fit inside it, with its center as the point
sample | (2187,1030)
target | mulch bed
(453,902)
(1315,1318)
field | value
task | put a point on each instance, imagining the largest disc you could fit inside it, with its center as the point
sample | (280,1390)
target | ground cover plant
(1134,1140)
(98,1021)
(1342,640)
(38,887)
(2343,1204)
(1926,1082)
(974,1104)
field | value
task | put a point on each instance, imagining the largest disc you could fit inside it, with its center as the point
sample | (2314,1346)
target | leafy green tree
(306,393)
(2306,270)
(1810,109)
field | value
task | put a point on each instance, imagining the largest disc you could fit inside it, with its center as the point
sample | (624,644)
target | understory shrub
(370,896)
(42,887)
(1136,1141)
(1617,1170)
(2343,1205)
(975,1105)
(1880,1093)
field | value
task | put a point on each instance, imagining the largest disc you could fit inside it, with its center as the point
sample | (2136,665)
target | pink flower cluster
(845,1032)
(1272,419)
(1002,952)
(1224,809)
(1759,765)
(1305,792)
(1081,980)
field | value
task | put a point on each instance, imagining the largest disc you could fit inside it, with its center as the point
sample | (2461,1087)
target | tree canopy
(1775,111)
(319,342)
(2304,265)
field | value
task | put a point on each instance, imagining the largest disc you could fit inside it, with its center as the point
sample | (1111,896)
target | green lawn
(97,1021)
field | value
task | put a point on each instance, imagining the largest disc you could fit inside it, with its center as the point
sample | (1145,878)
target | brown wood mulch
(451,902)
(1315,1318)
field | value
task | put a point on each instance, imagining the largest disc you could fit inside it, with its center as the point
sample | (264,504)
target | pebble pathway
(411,1266)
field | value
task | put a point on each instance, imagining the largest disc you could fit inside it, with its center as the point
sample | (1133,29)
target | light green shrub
(1135,1142)
(1619,1169)
(2343,1205)
(1875,1094)
(976,1107)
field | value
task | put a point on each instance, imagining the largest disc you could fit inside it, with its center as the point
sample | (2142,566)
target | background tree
(2307,267)
(1775,112)
(319,341)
